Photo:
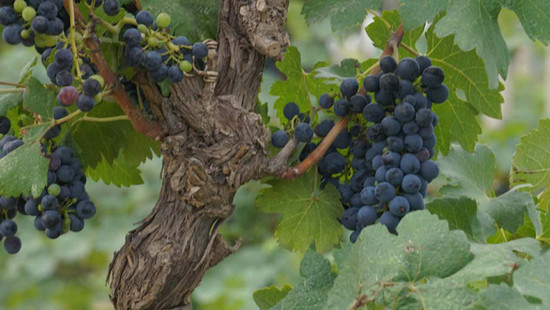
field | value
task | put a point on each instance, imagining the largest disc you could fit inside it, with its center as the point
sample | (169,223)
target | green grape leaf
(533,279)
(463,214)
(268,297)
(502,297)
(379,33)
(415,253)
(39,99)
(9,101)
(309,214)
(342,14)
(23,169)
(416,13)
(26,72)
(103,141)
(195,19)
(119,173)
(508,209)
(531,161)
(346,69)
(534,16)
(299,85)
(312,293)
(468,174)
(544,236)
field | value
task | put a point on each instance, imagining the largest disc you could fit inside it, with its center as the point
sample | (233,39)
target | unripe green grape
(186,66)
(54,189)
(78,37)
(19,5)
(28,13)
(99,78)
(143,29)
(25,34)
(98,98)
(163,20)
(153,42)
(80,62)
(43,40)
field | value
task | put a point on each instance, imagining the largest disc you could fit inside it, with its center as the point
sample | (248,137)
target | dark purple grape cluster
(61,206)
(298,122)
(381,162)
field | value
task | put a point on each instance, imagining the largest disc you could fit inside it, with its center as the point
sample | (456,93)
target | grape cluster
(381,163)
(163,59)
(61,206)
(298,122)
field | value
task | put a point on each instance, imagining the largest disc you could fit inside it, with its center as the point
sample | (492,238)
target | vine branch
(140,121)
(315,156)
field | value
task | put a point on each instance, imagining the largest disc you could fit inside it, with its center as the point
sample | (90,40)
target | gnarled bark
(215,143)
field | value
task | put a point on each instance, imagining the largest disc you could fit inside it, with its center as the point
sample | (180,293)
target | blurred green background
(69,273)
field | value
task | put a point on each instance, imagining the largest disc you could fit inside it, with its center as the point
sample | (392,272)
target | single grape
(342,107)
(408,69)
(384,192)
(200,50)
(67,96)
(132,36)
(421,101)
(50,218)
(5,125)
(335,163)
(429,142)
(368,196)
(31,207)
(77,224)
(54,190)
(8,16)
(377,162)
(390,221)
(366,216)
(424,117)
(394,176)
(64,78)
(85,209)
(371,83)
(163,20)
(373,112)
(12,245)
(160,74)
(55,27)
(53,132)
(433,76)
(399,206)
(145,18)
(12,34)
(413,143)
(55,231)
(395,143)
(409,163)
(438,94)
(389,82)
(388,64)
(406,88)
(405,112)
(411,128)
(59,113)
(323,128)
(38,223)
(186,66)
(325,101)
(429,170)
(291,110)
(181,41)
(411,183)
(28,13)
(279,138)
(111,7)
(385,98)
(349,218)
(8,228)
(349,87)
(391,125)
(343,140)
(358,102)
(152,61)
(11,146)
(175,74)
(416,201)
(303,132)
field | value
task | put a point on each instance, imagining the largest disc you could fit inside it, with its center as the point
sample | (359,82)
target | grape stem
(12,91)
(141,123)
(72,38)
(410,49)
(13,84)
(60,121)
(102,119)
(315,156)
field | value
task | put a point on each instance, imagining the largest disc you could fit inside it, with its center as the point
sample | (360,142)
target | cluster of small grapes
(381,162)
(298,122)
(61,206)
(147,47)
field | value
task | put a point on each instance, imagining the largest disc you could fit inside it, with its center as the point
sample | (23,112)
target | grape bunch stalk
(381,162)
(144,46)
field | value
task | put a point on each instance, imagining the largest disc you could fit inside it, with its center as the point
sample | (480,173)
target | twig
(13,84)
(409,49)
(140,122)
(319,152)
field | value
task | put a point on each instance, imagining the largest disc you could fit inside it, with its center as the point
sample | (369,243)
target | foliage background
(69,273)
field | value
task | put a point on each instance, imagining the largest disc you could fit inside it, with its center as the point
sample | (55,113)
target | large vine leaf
(312,293)
(299,85)
(342,14)
(503,297)
(97,141)
(417,252)
(308,213)
(196,19)
(23,169)
(475,25)
(531,161)
(120,173)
